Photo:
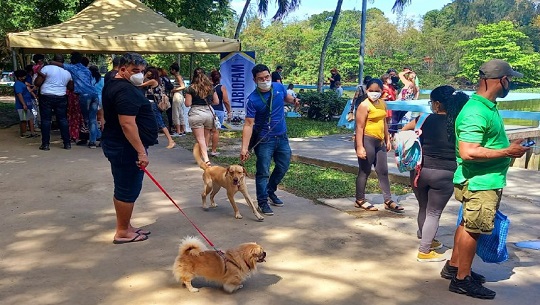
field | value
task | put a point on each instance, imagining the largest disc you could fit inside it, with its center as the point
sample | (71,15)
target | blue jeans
(89,107)
(49,104)
(276,147)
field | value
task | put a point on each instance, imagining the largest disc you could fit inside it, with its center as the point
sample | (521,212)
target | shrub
(6,90)
(322,106)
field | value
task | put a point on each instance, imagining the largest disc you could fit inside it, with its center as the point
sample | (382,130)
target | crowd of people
(464,155)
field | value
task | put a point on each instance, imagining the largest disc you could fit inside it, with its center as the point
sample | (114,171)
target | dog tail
(197,156)
(191,246)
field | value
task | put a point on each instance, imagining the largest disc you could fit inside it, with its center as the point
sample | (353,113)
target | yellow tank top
(375,119)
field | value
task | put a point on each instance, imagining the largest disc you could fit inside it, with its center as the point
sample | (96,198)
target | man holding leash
(483,157)
(265,121)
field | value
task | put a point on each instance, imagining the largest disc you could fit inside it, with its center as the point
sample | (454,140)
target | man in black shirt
(112,73)
(334,78)
(129,129)
(276,75)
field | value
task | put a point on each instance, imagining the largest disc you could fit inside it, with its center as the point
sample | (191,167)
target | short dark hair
(58,58)
(85,61)
(38,57)
(20,73)
(215,76)
(338,83)
(391,70)
(76,58)
(116,61)
(175,66)
(279,67)
(290,87)
(366,80)
(374,81)
(29,69)
(132,58)
(258,69)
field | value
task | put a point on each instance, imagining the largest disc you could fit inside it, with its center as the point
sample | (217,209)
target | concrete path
(58,223)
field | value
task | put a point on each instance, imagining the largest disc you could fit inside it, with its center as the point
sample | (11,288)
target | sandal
(361,204)
(391,206)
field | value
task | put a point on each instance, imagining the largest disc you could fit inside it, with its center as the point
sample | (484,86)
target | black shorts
(128,177)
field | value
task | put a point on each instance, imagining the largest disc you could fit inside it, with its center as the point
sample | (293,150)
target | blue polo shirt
(258,109)
(20,87)
(82,78)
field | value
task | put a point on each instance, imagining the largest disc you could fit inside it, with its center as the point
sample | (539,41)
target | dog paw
(194,290)
(238,216)
(260,218)
(213,205)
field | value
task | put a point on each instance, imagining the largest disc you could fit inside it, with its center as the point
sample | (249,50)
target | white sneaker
(214,154)
(175,135)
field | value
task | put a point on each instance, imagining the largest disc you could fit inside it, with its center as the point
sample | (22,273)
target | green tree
(284,8)
(502,41)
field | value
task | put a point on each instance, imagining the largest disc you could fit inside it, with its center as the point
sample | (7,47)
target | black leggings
(375,151)
(434,189)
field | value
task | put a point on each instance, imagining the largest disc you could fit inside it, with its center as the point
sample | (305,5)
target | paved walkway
(58,223)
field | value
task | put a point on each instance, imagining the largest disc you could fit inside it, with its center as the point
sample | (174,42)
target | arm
(70,86)
(411,125)
(39,79)
(417,92)
(361,118)
(226,101)
(101,118)
(152,83)
(188,100)
(403,79)
(246,136)
(21,100)
(129,127)
(181,84)
(475,152)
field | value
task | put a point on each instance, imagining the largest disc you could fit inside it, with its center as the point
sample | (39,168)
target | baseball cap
(497,68)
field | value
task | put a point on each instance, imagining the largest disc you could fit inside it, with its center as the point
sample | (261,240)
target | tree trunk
(320,80)
(241,19)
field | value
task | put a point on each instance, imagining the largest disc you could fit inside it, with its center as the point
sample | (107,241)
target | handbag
(164,104)
(492,248)
(217,123)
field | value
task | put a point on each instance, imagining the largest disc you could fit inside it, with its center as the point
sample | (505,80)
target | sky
(417,8)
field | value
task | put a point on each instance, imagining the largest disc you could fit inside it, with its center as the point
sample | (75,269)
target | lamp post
(362,42)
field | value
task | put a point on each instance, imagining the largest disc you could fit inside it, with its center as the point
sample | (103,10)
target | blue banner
(236,76)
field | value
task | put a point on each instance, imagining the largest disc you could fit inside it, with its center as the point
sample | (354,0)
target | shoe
(470,287)
(436,245)
(432,256)
(67,146)
(214,154)
(265,209)
(44,147)
(274,200)
(448,272)
(36,135)
(175,135)
(28,136)
(92,145)
(81,142)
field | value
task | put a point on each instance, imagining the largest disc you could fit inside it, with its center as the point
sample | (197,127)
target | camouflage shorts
(479,208)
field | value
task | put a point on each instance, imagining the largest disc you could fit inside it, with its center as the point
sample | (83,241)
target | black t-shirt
(109,75)
(438,152)
(196,100)
(337,78)
(120,97)
(276,77)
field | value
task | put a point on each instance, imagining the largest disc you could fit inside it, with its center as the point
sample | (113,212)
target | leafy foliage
(323,106)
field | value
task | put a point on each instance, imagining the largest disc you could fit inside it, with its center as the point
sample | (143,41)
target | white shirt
(56,80)
(291,93)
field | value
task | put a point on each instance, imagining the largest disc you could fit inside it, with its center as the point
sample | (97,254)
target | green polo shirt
(479,122)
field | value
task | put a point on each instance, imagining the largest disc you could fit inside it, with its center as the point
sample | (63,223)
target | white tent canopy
(118,26)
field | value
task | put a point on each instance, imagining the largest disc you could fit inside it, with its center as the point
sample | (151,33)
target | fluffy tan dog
(230,268)
(231,178)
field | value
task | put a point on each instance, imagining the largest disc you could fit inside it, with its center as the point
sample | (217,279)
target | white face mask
(265,85)
(374,95)
(389,81)
(137,79)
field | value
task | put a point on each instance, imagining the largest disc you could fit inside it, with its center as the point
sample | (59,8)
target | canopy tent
(118,26)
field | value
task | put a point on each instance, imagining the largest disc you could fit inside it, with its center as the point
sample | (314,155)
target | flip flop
(134,240)
(143,232)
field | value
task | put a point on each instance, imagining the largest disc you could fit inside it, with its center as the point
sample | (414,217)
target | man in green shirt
(483,156)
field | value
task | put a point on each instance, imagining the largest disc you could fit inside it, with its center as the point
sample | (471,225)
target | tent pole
(190,64)
(14,57)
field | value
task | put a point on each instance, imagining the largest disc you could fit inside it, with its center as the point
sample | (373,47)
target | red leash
(176,205)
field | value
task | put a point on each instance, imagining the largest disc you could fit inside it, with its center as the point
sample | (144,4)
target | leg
(169,138)
(421,194)
(207,188)
(264,152)
(364,168)
(199,136)
(46,118)
(60,109)
(31,124)
(381,168)
(22,128)
(124,210)
(249,201)
(214,139)
(215,190)
(92,119)
(84,103)
(186,279)
(282,160)
(230,195)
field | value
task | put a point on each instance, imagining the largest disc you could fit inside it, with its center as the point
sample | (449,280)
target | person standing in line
(276,75)
(178,101)
(53,82)
(372,142)
(110,75)
(98,83)
(130,129)
(265,116)
(334,78)
(483,156)
(167,87)
(432,185)
(23,104)
(219,109)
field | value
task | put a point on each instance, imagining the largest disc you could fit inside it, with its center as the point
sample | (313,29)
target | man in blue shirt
(88,95)
(265,120)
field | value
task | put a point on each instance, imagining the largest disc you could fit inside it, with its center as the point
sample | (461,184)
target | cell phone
(528,143)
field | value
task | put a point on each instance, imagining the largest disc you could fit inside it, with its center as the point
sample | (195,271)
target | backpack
(408,150)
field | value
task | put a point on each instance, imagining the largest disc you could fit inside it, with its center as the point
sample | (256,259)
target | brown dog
(231,178)
(230,268)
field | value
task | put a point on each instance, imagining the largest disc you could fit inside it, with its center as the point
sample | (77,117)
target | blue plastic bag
(492,248)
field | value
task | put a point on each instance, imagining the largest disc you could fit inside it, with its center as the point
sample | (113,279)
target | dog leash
(176,205)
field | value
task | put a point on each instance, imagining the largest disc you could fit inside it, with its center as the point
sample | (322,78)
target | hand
(516,150)
(244,155)
(25,107)
(102,124)
(388,145)
(143,161)
(361,153)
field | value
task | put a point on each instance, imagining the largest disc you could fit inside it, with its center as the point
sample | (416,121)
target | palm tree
(327,39)
(284,8)
(399,5)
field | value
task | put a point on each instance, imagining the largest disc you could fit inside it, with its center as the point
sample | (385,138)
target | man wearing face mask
(265,120)
(130,129)
(483,155)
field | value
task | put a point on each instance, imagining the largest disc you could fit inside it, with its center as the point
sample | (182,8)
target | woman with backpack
(432,183)
(219,109)
(372,142)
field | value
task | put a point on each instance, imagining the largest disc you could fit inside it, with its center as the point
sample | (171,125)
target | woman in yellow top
(372,142)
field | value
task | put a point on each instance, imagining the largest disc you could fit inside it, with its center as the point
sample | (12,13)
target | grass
(8,115)
(303,128)
(314,182)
